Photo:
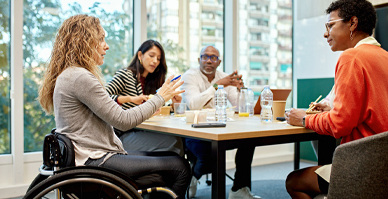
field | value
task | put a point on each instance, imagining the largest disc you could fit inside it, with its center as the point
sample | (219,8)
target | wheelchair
(59,177)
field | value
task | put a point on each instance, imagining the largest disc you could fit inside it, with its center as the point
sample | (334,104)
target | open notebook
(278,95)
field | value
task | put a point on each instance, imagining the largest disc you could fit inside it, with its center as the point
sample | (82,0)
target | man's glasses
(330,24)
(213,58)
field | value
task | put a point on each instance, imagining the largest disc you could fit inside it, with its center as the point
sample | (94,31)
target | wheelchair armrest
(51,152)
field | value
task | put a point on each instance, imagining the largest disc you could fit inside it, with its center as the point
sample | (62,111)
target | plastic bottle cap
(220,86)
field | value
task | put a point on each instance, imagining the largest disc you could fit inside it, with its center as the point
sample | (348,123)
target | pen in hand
(175,78)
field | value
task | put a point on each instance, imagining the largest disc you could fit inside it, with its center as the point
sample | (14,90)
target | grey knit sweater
(85,113)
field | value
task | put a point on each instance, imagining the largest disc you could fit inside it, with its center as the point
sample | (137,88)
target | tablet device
(278,95)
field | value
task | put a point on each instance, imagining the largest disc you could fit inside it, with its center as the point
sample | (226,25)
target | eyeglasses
(330,24)
(213,58)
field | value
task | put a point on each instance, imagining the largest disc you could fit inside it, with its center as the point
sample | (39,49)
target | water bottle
(220,100)
(251,102)
(266,100)
(243,104)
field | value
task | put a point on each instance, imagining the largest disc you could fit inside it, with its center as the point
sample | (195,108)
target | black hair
(362,9)
(153,80)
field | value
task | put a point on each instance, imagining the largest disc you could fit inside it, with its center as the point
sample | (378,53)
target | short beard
(207,73)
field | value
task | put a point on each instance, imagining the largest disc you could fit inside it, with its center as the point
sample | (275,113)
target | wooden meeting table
(241,132)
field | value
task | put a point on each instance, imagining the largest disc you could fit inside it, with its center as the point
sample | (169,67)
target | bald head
(204,48)
(209,60)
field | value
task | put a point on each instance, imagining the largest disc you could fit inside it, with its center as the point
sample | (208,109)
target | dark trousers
(201,151)
(151,169)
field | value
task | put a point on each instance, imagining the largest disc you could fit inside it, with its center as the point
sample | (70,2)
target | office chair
(359,169)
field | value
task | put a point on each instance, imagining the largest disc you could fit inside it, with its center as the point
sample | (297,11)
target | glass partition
(265,44)
(5,81)
(184,28)
(41,21)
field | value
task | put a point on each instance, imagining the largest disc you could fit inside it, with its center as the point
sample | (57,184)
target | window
(202,25)
(284,68)
(256,65)
(265,29)
(258,22)
(5,81)
(255,81)
(259,51)
(41,21)
(208,31)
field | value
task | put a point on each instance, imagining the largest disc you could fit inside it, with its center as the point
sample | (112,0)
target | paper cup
(164,111)
(278,109)
(190,116)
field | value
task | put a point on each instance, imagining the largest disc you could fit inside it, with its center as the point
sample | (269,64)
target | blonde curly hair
(75,45)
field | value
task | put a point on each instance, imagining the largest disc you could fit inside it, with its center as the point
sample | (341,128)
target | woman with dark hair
(73,89)
(130,87)
(361,87)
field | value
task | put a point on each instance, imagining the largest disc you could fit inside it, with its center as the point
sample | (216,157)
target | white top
(198,89)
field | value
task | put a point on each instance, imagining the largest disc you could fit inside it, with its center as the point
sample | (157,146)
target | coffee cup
(191,116)
(278,109)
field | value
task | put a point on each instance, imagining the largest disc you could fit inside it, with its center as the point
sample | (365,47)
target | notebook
(278,95)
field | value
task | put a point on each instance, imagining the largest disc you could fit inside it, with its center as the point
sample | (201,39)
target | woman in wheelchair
(73,89)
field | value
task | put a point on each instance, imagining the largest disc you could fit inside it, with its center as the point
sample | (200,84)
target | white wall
(312,56)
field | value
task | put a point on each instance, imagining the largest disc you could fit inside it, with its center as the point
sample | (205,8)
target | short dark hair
(362,9)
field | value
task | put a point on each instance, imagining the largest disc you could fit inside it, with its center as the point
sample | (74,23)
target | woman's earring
(351,35)
(140,62)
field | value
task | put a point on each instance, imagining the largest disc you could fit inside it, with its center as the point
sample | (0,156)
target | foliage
(39,30)
(4,77)
(172,50)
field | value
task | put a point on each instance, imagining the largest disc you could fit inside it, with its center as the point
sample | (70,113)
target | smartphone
(281,118)
(208,125)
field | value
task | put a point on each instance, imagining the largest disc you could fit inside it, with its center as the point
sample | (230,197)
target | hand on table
(157,112)
(136,100)
(233,79)
(139,99)
(295,117)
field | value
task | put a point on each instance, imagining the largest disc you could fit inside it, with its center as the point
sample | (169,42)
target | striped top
(124,83)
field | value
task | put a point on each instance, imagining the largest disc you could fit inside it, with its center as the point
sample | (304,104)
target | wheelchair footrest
(157,189)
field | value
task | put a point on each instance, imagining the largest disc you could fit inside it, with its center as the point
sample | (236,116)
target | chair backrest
(360,169)
(58,150)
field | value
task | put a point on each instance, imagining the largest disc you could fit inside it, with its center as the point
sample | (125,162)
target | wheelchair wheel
(84,183)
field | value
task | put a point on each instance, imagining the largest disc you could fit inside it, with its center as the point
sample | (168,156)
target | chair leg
(208,182)
(227,175)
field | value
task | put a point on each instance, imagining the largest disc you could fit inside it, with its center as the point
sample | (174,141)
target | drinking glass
(180,109)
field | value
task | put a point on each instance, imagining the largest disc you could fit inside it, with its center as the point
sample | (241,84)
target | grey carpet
(267,189)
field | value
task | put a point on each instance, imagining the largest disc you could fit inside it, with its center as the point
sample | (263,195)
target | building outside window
(199,23)
(265,29)
(5,81)
(41,21)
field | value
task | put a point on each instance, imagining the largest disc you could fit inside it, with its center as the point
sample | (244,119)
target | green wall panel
(307,151)
(308,91)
